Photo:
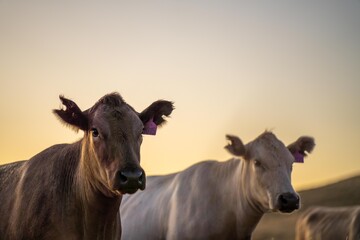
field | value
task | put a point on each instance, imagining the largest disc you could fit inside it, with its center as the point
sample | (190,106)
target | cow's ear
(71,115)
(301,147)
(154,115)
(235,147)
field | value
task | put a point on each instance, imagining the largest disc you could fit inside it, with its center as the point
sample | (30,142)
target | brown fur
(71,191)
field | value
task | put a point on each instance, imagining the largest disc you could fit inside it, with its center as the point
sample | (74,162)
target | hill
(282,226)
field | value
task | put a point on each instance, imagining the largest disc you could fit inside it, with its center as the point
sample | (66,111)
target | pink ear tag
(299,158)
(150,128)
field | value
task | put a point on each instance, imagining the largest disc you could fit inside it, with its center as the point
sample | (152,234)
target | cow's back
(34,194)
(9,174)
(9,177)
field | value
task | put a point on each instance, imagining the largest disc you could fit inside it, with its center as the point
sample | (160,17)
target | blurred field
(282,226)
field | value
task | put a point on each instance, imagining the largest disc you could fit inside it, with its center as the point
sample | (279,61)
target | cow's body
(73,191)
(190,205)
(320,223)
(212,200)
(41,199)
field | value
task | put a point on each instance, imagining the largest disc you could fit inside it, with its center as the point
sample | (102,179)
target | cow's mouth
(287,210)
(129,190)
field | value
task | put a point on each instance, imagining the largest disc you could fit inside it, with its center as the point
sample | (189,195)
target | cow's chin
(282,211)
(126,190)
(286,211)
(277,209)
(129,191)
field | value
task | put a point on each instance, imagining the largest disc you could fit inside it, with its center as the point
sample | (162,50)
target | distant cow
(217,200)
(322,223)
(73,191)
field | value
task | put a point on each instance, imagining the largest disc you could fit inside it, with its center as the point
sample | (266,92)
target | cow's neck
(101,218)
(100,206)
(248,211)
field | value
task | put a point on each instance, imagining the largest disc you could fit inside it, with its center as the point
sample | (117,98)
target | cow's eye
(257,163)
(94,132)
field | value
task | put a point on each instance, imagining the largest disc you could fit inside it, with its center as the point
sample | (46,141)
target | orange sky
(229,66)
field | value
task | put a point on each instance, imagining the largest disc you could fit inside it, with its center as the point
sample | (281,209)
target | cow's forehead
(131,117)
(122,116)
(268,148)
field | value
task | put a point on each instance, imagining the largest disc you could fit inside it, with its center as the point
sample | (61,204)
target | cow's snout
(131,180)
(288,202)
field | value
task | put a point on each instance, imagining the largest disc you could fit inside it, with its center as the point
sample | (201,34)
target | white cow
(322,223)
(217,200)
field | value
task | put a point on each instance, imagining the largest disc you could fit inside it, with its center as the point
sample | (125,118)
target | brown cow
(217,200)
(73,191)
(321,223)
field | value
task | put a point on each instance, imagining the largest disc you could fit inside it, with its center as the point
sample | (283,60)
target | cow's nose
(288,202)
(131,180)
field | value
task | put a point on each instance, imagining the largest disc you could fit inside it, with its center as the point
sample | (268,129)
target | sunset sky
(238,67)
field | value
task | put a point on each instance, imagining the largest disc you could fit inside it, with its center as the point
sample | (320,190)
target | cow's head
(267,170)
(113,135)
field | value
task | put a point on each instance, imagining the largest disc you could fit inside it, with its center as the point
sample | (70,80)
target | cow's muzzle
(129,181)
(288,202)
